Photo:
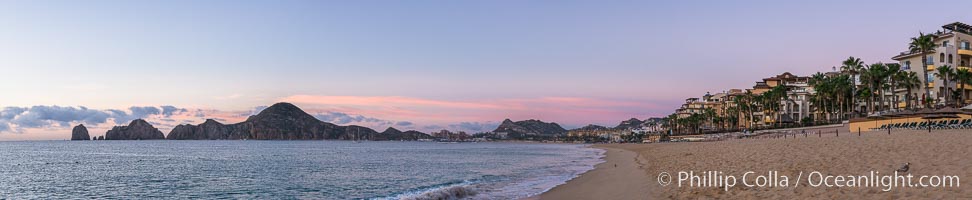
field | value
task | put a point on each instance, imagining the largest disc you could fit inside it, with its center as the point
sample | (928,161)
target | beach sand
(616,172)
(942,152)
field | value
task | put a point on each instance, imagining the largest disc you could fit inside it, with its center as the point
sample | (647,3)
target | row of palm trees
(745,105)
(837,94)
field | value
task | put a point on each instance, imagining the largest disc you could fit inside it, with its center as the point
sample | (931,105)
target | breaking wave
(444,192)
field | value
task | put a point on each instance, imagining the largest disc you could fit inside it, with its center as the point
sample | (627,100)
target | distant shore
(942,152)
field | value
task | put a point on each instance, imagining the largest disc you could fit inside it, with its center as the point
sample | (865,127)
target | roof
(958,26)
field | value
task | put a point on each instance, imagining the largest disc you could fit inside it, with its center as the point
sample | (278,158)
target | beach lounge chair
(965,123)
(920,125)
(941,124)
(954,124)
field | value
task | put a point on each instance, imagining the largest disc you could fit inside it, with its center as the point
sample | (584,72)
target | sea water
(286,169)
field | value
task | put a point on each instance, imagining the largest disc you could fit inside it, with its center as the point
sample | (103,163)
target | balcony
(965,50)
(963,67)
(931,85)
(930,68)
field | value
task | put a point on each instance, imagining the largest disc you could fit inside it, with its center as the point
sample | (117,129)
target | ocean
(286,169)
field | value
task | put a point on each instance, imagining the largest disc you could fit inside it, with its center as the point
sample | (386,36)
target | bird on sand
(904,168)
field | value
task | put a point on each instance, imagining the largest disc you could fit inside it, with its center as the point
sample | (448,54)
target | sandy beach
(615,173)
(940,153)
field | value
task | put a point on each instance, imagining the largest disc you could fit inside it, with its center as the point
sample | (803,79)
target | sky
(422,65)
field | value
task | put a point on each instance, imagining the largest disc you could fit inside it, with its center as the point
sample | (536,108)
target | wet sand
(619,177)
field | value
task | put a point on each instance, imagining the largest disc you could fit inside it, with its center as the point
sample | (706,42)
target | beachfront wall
(868,124)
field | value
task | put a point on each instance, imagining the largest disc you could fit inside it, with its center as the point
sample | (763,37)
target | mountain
(139,129)
(591,127)
(530,127)
(209,130)
(282,121)
(80,133)
(632,123)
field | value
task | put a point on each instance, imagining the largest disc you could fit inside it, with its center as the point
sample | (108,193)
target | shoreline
(620,176)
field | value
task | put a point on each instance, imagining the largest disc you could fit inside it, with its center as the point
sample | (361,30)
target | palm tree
(841,87)
(746,105)
(922,45)
(874,77)
(963,76)
(708,116)
(818,82)
(945,73)
(852,66)
(906,80)
(892,74)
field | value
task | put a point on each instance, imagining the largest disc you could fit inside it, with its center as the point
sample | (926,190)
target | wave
(446,193)
(517,181)
(452,191)
(547,176)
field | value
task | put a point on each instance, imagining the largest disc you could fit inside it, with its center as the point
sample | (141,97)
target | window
(941,57)
(945,44)
(907,65)
(949,58)
(930,60)
(965,45)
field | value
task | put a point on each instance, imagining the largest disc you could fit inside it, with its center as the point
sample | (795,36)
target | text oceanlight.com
(873,179)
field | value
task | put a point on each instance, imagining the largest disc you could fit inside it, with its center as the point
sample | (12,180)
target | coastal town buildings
(952,49)
(792,100)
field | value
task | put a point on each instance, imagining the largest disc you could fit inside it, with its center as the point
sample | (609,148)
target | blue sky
(583,61)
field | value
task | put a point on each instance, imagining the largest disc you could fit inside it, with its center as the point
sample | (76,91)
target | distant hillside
(632,123)
(284,121)
(591,127)
(530,128)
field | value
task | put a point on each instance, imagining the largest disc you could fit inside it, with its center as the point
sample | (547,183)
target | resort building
(794,106)
(953,49)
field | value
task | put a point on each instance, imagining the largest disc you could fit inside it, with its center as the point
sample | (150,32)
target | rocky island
(80,133)
(139,129)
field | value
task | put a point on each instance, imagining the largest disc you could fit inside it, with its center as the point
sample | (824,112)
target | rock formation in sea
(80,133)
(101,137)
(282,121)
(209,130)
(139,129)
(530,128)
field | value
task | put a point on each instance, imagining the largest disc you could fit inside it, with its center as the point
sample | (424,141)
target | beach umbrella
(925,111)
(932,116)
(876,116)
(905,113)
(940,116)
(968,107)
(948,110)
(892,114)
